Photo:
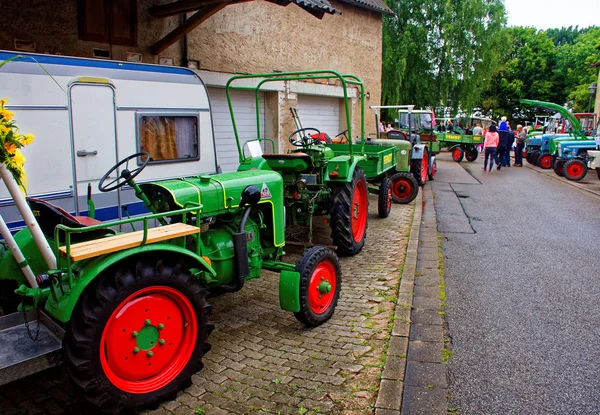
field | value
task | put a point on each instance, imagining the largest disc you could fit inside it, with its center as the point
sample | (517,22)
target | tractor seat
(397,135)
(49,215)
(291,162)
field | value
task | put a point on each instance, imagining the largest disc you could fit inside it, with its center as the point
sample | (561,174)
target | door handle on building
(83,153)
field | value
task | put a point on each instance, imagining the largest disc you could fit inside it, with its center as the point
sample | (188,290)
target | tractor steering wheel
(344,139)
(306,139)
(126,174)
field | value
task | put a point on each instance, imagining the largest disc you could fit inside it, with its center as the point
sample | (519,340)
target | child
(490,146)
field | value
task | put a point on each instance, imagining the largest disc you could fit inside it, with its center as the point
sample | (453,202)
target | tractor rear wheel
(545,161)
(349,212)
(532,157)
(320,283)
(433,170)
(137,335)
(575,169)
(472,154)
(420,168)
(558,167)
(384,202)
(458,154)
(404,188)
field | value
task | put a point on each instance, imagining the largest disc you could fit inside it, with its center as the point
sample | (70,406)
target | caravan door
(94,143)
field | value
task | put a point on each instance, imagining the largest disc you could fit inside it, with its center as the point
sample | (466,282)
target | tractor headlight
(301,184)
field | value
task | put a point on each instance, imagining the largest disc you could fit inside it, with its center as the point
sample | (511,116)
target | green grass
(199,411)
(446,355)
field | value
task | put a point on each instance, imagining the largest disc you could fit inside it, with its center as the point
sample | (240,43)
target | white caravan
(87,114)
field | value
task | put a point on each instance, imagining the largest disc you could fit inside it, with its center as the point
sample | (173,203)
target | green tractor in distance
(460,139)
(321,178)
(129,309)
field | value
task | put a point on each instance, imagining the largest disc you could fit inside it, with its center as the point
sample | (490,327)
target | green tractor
(127,310)
(323,178)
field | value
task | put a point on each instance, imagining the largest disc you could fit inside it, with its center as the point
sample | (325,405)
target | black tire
(404,188)
(536,159)
(533,157)
(307,267)
(433,170)
(457,154)
(341,214)
(88,326)
(384,201)
(472,154)
(575,169)
(416,168)
(558,167)
(598,172)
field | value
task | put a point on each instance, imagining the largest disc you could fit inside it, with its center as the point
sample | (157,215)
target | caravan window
(169,138)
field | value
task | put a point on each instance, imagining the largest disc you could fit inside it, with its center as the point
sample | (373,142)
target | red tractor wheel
(137,336)
(384,203)
(545,161)
(420,168)
(349,211)
(575,169)
(458,154)
(320,283)
(433,170)
(404,188)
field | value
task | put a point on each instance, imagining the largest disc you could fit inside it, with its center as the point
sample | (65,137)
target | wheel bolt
(136,350)
(161,342)
(161,326)
(149,354)
(147,322)
(134,334)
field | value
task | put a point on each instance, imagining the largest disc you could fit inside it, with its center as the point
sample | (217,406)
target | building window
(109,21)
(169,138)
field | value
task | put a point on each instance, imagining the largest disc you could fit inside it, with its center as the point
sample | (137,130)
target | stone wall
(244,38)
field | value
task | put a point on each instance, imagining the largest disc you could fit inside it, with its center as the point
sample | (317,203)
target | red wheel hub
(546,161)
(322,286)
(402,188)
(574,170)
(456,154)
(359,211)
(148,339)
(424,167)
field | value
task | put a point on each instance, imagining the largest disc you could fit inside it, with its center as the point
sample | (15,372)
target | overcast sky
(545,14)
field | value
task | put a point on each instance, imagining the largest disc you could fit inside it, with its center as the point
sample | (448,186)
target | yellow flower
(27,139)
(19,158)
(7,115)
(3,129)
(10,147)
(3,101)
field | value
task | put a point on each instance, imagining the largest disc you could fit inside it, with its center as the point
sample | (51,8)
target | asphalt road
(523,273)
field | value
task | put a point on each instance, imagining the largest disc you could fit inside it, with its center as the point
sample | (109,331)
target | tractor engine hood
(219,193)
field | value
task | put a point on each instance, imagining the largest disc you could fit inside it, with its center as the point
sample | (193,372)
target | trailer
(88,113)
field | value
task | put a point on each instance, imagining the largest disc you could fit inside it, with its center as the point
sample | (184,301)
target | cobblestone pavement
(263,360)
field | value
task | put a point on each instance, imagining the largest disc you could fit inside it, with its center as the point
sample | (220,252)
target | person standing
(509,145)
(503,125)
(521,136)
(502,143)
(490,146)
(478,130)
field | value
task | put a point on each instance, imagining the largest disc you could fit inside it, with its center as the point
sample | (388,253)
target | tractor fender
(453,147)
(89,270)
(254,163)
(417,151)
(340,169)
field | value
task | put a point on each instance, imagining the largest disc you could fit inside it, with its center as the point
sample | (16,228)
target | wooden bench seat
(97,247)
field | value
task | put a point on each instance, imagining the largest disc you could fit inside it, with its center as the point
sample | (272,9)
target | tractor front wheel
(137,335)
(349,211)
(545,161)
(575,169)
(458,154)
(384,203)
(404,188)
(472,154)
(320,283)
(420,168)
(558,167)
(433,170)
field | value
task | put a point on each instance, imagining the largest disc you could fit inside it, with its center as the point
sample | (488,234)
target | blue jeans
(490,153)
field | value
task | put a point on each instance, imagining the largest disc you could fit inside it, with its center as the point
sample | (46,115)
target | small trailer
(87,113)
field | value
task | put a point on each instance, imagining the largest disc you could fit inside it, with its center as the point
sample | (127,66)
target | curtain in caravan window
(169,138)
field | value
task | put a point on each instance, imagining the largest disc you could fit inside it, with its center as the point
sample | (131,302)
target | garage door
(244,106)
(321,113)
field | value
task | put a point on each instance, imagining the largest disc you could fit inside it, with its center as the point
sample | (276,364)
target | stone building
(221,38)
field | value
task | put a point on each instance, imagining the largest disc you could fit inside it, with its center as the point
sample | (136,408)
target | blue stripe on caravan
(94,63)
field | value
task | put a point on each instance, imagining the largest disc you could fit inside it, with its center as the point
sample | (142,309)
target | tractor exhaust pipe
(240,247)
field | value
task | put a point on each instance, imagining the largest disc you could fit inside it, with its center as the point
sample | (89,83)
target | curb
(560,180)
(391,387)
